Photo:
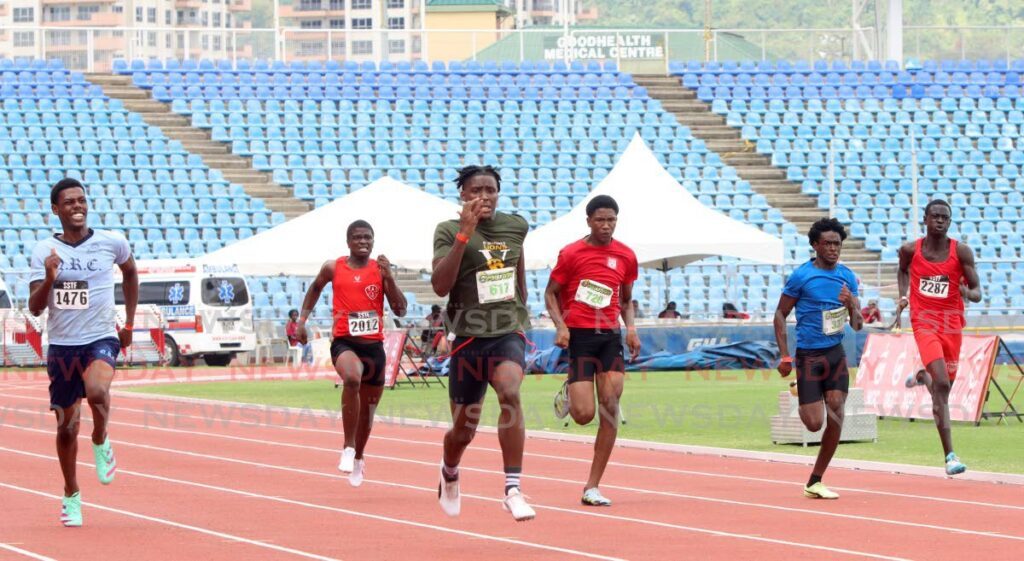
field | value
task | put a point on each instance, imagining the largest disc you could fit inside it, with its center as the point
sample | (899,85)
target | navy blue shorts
(66,364)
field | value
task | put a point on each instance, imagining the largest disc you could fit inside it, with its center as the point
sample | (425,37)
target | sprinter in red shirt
(591,286)
(357,348)
(939,273)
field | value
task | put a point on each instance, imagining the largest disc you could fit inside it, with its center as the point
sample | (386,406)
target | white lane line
(218,412)
(25,552)
(230,537)
(308,505)
(543,478)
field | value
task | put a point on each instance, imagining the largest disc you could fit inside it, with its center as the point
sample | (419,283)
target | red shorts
(934,346)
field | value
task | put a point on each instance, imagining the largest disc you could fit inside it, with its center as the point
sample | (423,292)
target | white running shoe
(515,503)
(448,496)
(348,458)
(562,401)
(355,478)
(593,497)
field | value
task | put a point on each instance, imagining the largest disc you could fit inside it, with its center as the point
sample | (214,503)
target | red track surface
(202,482)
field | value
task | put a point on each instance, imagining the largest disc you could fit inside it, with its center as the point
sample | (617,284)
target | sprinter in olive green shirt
(478,264)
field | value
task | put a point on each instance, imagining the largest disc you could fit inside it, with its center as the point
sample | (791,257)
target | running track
(198,481)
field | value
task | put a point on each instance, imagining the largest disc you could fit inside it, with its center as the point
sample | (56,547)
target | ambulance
(207,307)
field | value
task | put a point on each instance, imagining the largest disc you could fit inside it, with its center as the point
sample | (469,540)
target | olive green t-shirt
(496,245)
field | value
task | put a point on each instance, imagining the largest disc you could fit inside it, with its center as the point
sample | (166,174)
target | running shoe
(106,464)
(562,401)
(819,491)
(348,459)
(953,465)
(914,379)
(448,496)
(355,478)
(71,511)
(515,503)
(593,497)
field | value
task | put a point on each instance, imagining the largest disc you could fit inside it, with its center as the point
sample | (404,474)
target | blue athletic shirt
(817,304)
(81,306)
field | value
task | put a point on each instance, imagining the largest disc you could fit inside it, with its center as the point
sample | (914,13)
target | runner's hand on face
(385,267)
(470,215)
(52,264)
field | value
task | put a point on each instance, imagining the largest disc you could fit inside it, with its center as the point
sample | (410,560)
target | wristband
(786,359)
(462,237)
(128,326)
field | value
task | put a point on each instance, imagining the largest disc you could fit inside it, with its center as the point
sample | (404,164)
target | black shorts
(475,358)
(592,352)
(819,371)
(65,365)
(372,356)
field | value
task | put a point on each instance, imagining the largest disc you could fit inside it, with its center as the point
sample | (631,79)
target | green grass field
(729,409)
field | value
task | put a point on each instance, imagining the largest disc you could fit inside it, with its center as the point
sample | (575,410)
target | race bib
(594,294)
(363,323)
(71,295)
(934,287)
(498,285)
(833,321)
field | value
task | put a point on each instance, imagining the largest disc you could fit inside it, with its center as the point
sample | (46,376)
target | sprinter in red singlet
(357,348)
(939,273)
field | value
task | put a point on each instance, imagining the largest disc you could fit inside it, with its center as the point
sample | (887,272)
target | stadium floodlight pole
(831,179)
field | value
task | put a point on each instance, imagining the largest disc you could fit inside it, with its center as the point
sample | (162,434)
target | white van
(207,308)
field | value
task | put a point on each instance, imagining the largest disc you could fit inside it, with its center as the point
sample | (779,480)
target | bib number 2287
(71,295)
(934,287)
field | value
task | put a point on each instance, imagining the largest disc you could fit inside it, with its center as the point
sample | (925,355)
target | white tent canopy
(659,219)
(403,220)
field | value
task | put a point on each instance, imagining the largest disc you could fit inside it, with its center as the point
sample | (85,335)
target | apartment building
(89,34)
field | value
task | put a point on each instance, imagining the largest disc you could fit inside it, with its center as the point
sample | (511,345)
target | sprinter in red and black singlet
(590,287)
(359,286)
(939,274)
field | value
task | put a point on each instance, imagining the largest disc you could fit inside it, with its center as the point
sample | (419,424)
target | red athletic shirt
(935,301)
(358,301)
(600,270)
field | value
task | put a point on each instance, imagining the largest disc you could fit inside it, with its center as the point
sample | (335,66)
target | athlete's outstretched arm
(782,311)
(394,294)
(325,276)
(903,281)
(966,257)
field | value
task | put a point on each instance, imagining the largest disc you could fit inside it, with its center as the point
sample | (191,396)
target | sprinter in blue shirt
(824,293)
